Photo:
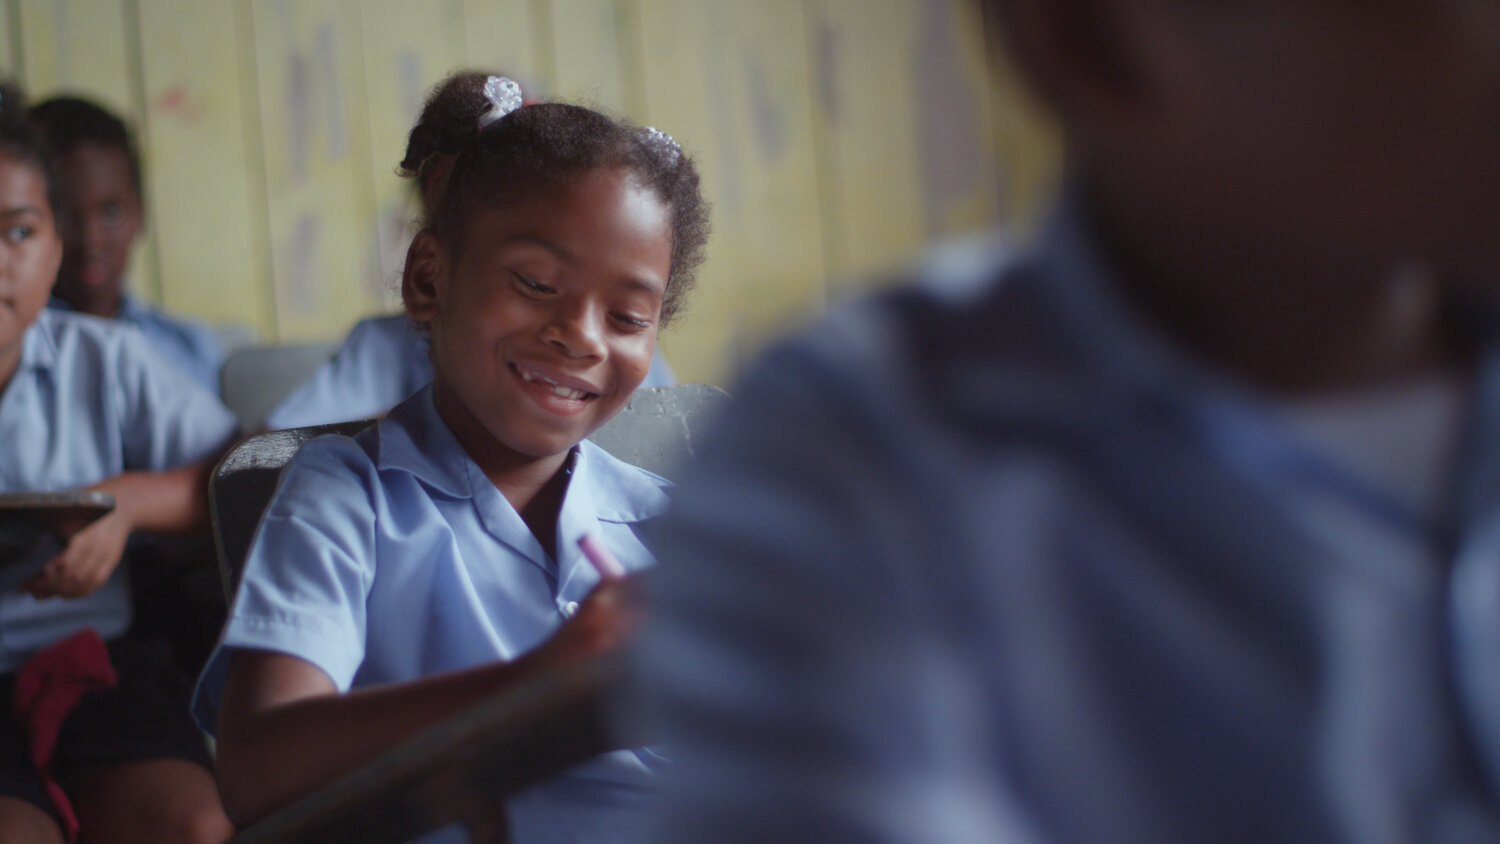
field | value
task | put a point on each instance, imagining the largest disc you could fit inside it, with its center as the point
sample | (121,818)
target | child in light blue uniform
(382,361)
(101,189)
(1179,526)
(409,572)
(87,403)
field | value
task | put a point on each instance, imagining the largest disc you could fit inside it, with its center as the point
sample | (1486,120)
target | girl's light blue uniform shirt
(390,556)
(90,399)
(190,346)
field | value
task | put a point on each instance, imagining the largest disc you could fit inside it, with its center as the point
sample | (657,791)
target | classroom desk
(33,524)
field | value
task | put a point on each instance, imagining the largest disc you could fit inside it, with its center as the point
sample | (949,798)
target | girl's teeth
(565,392)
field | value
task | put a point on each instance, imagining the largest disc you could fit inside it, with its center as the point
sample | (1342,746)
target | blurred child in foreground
(1178,527)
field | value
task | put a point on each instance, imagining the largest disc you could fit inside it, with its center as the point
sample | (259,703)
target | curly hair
(71,121)
(22,140)
(460,166)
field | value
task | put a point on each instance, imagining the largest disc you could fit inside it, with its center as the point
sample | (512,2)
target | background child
(1176,528)
(85,403)
(101,191)
(407,573)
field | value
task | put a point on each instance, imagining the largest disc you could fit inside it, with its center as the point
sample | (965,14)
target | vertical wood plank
(501,35)
(10,42)
(201,187)
(865,54)
(317,160)
(406,52)
(1028,147)
(740,102)
(77,45)
(586,36)
(960,183)
(81,47)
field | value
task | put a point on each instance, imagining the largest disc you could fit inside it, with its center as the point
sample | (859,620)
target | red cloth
(48,686)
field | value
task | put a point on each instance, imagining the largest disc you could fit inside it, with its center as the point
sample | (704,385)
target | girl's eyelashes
(631,323)
(17,232)
(532,286)
(626,321)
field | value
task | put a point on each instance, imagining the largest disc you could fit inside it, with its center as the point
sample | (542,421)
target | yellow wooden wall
(835,137)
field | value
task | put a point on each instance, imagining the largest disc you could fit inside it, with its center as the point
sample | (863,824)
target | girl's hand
(85,563)
(604,622)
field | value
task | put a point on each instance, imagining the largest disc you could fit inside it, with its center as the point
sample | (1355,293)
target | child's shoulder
(66,336)
(409,444)
(190,336)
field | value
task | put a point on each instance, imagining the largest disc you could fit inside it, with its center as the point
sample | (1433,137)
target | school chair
(242,484)
(464,769)
(256,378)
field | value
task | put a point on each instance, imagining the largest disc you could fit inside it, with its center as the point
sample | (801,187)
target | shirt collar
(133,310)
(413,438)
(38,346)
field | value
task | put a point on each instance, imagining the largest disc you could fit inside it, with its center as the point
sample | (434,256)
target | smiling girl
(432,560)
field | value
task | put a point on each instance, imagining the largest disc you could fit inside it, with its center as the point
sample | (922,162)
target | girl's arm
(171,501)
(284,729)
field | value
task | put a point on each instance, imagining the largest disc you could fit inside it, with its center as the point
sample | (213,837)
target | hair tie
(657,137)
(504,97)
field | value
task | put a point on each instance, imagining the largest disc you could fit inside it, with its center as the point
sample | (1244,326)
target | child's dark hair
(71,121)
(22,140)
(459,166)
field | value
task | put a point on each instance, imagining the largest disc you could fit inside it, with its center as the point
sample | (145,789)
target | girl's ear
(422,281)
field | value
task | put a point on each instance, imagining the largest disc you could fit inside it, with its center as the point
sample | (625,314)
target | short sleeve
(309,571)
(168,419)
(381,362)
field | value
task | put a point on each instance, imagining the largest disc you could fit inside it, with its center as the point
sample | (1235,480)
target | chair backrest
(256,378)
(661,428)
(242,485)
(658,430)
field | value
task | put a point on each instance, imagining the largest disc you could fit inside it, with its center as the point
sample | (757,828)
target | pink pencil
(603,561)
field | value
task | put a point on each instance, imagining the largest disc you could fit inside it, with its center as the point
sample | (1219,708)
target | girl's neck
(99,304)
(535,486)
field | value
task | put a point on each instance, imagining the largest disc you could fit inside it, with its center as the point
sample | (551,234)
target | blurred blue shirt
(984,559)
(190,346)
(391,556)
(90,399)
(382,361)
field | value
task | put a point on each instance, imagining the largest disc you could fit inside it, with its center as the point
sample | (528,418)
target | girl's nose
(577,331)
(93,232)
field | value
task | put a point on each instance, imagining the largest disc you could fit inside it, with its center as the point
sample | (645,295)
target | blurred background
(837,139)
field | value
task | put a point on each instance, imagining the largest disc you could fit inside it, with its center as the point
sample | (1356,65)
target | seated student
(101,190)
(86,403)
(382,361)
(405,574)
(1177,527)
